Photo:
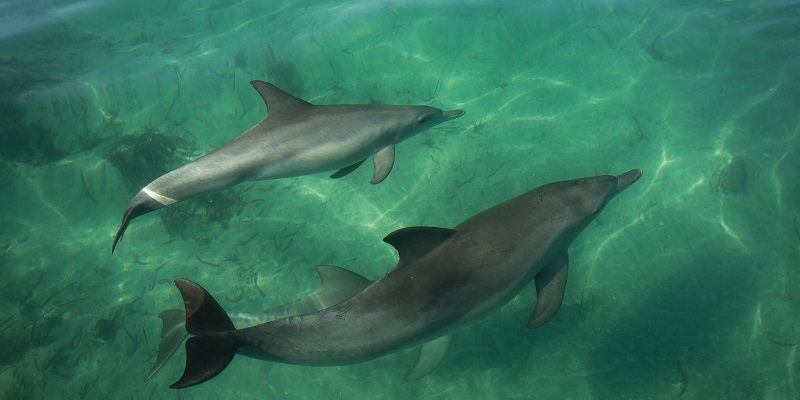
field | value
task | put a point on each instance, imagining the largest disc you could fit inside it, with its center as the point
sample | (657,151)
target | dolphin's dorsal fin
(430,355)
(416,241)
(550,284)
(276,99)
(337,285)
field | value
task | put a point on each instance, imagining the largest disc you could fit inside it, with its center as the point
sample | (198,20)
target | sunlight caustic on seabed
(550,90)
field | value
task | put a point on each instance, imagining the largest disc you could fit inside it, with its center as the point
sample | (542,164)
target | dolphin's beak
(452,114)
(140,204)
(627,179)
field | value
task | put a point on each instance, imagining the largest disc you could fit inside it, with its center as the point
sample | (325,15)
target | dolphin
(443,279)
(296,138)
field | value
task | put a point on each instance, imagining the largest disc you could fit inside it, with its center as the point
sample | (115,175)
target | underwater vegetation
(281,71)
(25,141)
(32,334)
(144,154)
(196,218)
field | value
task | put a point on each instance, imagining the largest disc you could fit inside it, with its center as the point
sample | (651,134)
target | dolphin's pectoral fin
(550,283)
(346,170)
(430,355)
(276,99)
(172,335)
(416,241)
(337,285)
(383,160)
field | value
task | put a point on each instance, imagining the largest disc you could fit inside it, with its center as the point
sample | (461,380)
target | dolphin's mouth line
(452,114)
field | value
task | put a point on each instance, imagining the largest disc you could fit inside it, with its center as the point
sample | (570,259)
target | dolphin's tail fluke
(172,335)
(140,204)
(216,340)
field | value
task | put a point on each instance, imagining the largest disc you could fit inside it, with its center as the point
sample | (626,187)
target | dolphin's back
(444,277)
(309,140)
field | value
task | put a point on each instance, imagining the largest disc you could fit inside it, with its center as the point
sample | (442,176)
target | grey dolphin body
(296,138)
(445,277)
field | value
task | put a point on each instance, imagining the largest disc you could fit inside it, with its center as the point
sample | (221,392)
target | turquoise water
(686,286)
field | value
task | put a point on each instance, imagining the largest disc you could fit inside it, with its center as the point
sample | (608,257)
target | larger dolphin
(296,138)
(444,278)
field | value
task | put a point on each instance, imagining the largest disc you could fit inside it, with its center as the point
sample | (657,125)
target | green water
(685,287)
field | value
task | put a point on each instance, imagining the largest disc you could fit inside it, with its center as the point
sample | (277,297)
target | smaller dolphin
(444,278)
(296,138)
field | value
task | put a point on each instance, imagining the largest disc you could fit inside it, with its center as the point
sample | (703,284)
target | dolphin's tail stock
(216,339)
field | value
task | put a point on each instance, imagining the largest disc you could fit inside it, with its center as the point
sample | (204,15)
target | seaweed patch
(776,339)
(682,374)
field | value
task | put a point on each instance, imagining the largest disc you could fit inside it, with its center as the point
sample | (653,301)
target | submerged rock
(732,178)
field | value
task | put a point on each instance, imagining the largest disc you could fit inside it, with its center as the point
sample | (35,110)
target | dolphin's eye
(422,119)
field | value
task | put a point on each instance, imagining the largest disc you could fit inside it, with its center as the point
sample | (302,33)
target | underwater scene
(686,285)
